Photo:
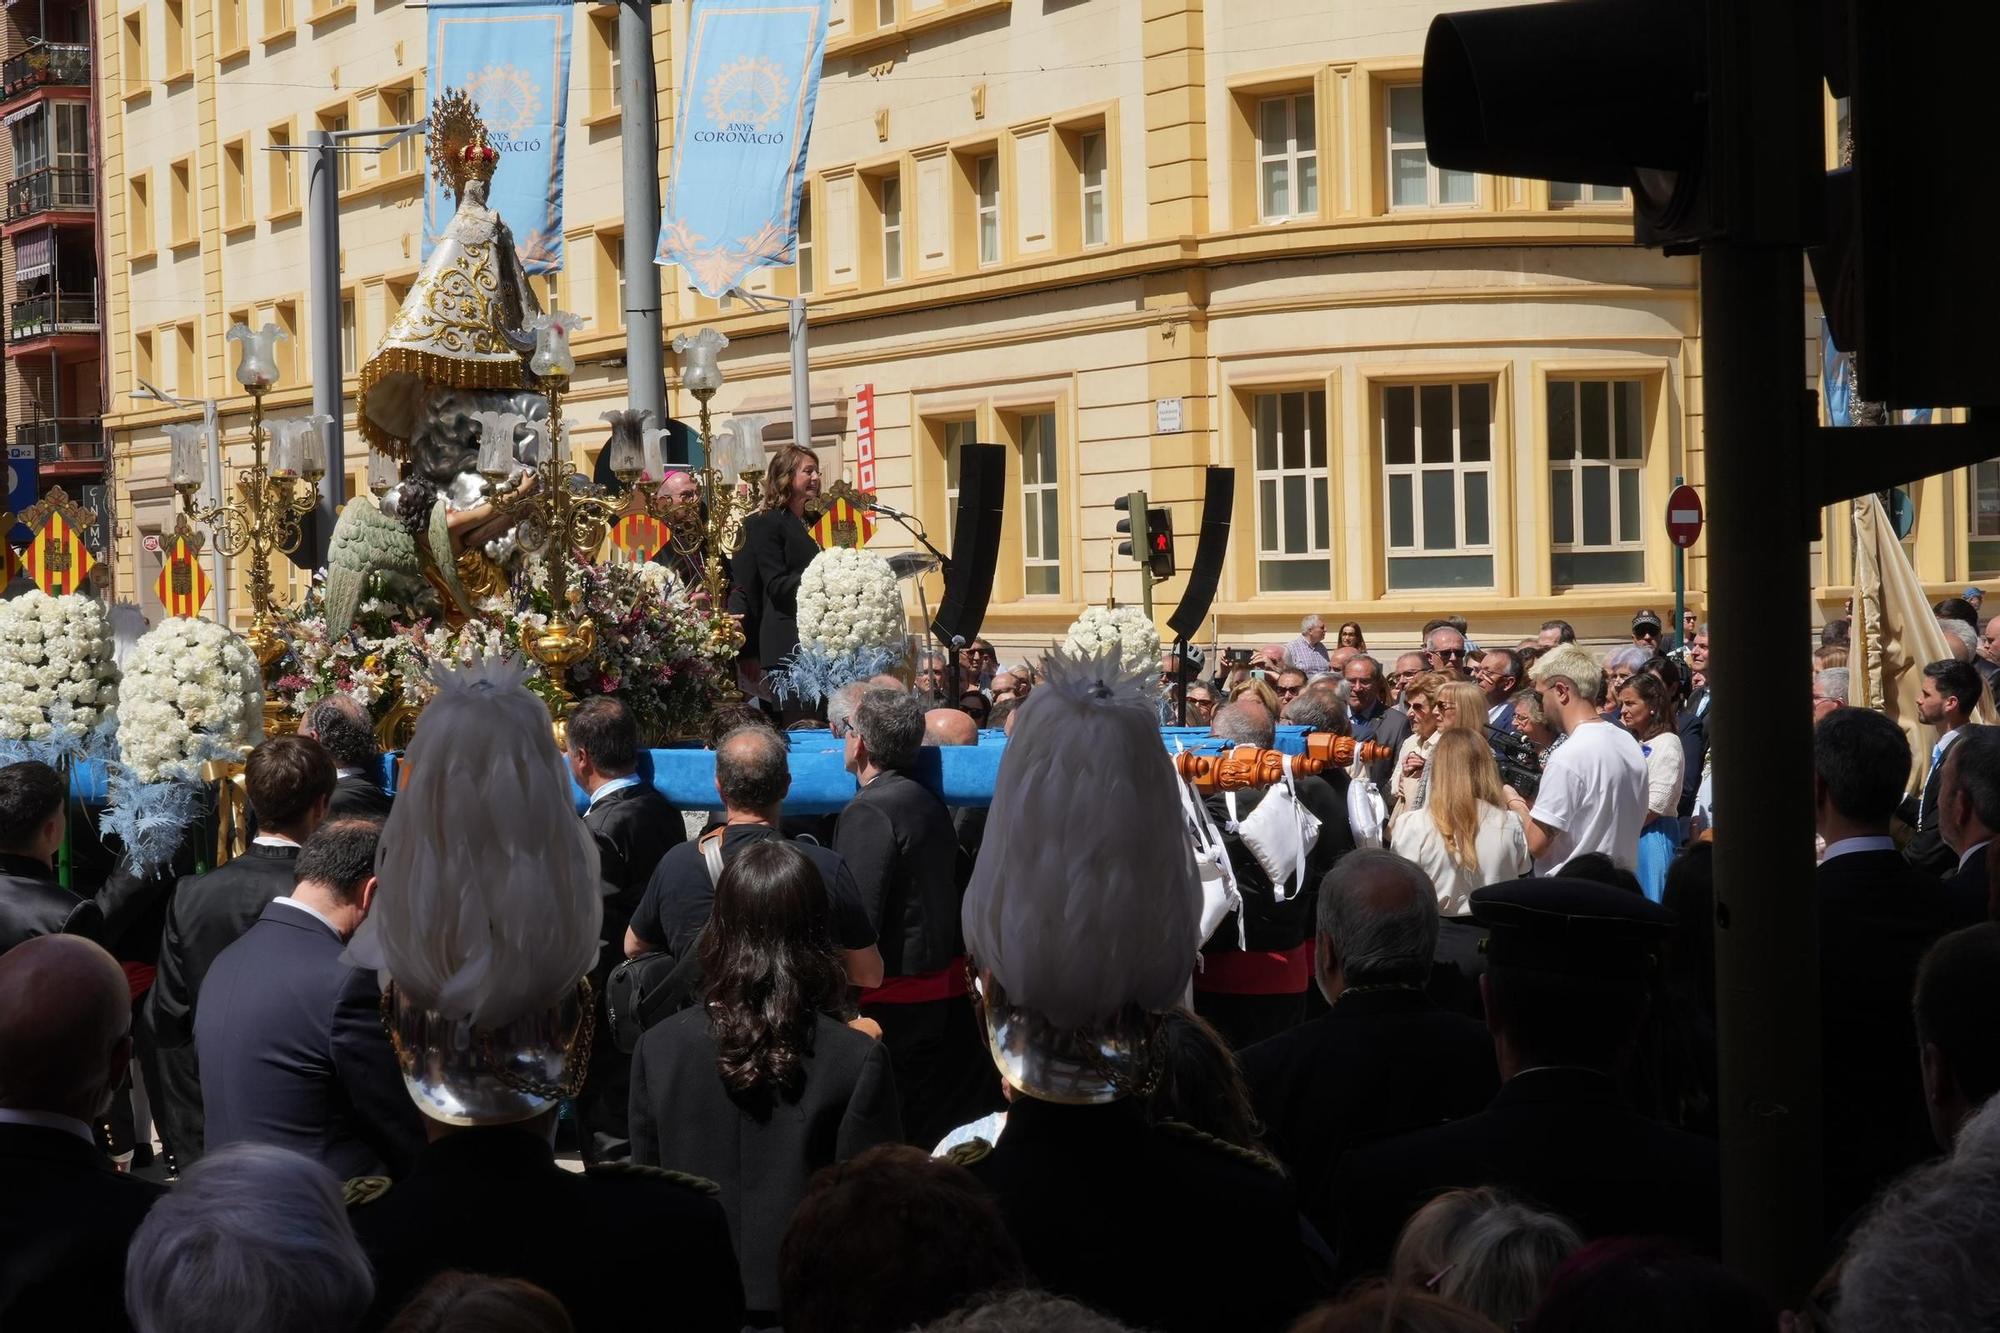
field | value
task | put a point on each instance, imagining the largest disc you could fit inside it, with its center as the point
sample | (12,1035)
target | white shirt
(1594,796)
(272,840)
(350,773)
(49,1120)
(1849,846)
(1970,852)
(1500,846)
(1666,762)
(616,784)
(1937,757)
(288,901)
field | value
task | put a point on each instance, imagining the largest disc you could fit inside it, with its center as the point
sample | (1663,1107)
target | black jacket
(776,550)
(605,1242)
(1693,730)
(897,839)
(1562,1139)
(292,1052)
(1270,924)
(32,903)
(761,1151)
(1969,891)
(634,827)
(1877,917)
(358,796)
(1160,1229)
(66,1219)
(1927,851)
(208,914)
(1376,1064)
(1391,725)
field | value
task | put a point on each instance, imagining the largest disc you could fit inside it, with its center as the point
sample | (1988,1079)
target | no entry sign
(1683,516)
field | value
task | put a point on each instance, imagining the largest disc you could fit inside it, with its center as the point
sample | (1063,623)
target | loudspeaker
(975,542)
(1217,504)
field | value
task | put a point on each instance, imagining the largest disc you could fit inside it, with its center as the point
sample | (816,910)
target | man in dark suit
(1693,722)
(32,903)
(290,781)
(1957,1010)
(1372,718)
(1969,816)
(1384,1058)
(897,838)
(342,725)
(1498,675)
(1877,916)
(290,1036)
(633,826)
(1949,696)
(66,1217)
(1565,992)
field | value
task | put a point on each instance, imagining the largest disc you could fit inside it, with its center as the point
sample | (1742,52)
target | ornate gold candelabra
(559,516)
(271,498)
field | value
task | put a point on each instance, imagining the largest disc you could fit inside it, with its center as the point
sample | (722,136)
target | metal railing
(56,439)
(50,187)
(52,64)
(64,312)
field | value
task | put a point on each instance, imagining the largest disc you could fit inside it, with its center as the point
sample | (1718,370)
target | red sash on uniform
(1256,972)
(948,982)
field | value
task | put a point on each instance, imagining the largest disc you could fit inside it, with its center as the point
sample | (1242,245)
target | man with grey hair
(897,837)
(1444,650)
(1319,709)
(253,1237)
(1928,1256)
(65,1217)
(1385,1057)
(343,726)
(1253,981)
(1308,651)
(1829,692)
(840,706)
(1962,637)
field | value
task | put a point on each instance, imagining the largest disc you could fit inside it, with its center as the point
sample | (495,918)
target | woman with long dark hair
(777,547)
(764,1082)
(1646,709)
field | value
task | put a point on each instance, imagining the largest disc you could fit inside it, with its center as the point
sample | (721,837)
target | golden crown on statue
(459,149)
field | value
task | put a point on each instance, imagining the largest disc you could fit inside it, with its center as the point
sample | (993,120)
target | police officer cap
(1572,927)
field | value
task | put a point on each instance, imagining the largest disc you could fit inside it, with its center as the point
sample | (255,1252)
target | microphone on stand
(880,508)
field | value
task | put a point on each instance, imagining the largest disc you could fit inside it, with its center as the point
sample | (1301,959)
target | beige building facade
(1127,239)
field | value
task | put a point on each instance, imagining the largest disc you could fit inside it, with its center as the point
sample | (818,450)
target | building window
(350,336)
(335,122)
(1294,536)
(1092,163)
(187,360)
(986,189)
(1287,158)
(957,434)
(1597,459)
(236,184)
(139,214)
(605,97)
(892,228)
(885,13)
(1985,488)
(1041,507)
(611,279)
(132,53)
(180,60)
(291,348)
(232,31)
(277,18)
(142,355)
(399,107)
(180,181)
(804,260)
(1568,194)
(284,178)
(1437,457)
(1413,181)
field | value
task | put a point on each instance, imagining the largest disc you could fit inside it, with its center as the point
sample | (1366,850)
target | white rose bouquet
(193,692)
(851,624)
(1125,630)
(58,671)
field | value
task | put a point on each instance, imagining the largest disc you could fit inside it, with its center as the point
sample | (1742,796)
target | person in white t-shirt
(1593,794)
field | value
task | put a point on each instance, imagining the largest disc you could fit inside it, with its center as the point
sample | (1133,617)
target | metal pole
(639,144)
(1766,921)
(1680,586)
(323,316)
(211,417)
(802,433)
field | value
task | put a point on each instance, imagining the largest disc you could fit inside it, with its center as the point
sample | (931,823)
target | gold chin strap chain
(576,1047)
(232,809)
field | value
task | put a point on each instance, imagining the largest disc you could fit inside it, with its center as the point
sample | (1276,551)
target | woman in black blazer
(764,1083)
(777,547)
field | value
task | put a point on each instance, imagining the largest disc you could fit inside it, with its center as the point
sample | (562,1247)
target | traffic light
(1160,543)
(1136,546)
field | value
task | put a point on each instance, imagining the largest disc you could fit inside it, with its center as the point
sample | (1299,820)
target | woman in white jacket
(1465,838)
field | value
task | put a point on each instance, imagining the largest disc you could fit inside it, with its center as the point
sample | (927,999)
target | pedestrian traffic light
(1160,543)
(1133,506)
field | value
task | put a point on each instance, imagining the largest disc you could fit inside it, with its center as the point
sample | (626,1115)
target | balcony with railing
(45,316)
(49,65)
(50,189)
(63,439)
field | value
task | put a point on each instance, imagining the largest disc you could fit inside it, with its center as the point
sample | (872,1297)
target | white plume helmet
(487,907)
(1084,898)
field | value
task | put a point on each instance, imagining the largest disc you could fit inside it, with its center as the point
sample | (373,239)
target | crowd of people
(1426,1042)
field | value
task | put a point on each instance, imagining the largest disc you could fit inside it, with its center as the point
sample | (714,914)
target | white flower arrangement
(58,672)
(849,603)
(1125,630)
(193,692)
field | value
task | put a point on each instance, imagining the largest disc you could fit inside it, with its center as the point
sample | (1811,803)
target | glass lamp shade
(739,448)
(627,444)
(497,432)
(655,452)
(257,366)
(287,453)
(553,358)
(382,471)
(701,372)
(312,445)
(188,452)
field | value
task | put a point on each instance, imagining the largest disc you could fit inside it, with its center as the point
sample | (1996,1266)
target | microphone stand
(916,529)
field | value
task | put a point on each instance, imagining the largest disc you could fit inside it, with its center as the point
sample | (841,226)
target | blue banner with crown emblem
(746,110)
(512,59)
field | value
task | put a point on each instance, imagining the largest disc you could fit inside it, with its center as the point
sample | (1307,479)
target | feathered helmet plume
(487,908)
(1085,898)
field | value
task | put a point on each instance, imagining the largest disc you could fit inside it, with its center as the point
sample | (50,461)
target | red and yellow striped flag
(844,524)
(56,559)
(183,584)
(638,537)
